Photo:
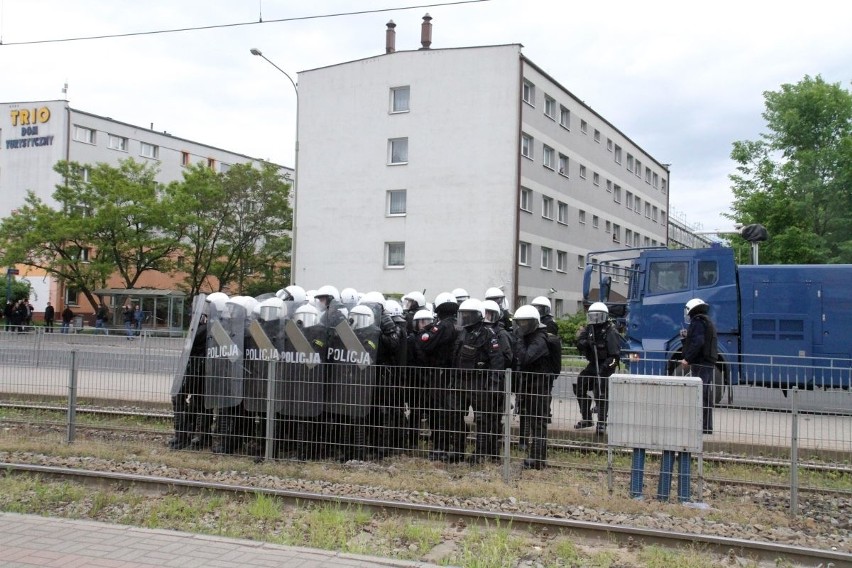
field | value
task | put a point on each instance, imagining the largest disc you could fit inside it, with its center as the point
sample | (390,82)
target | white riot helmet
(598,313)
(280,293)
(492,311)
(460,294)
(306,316)
(373,298)
(361,316)
(294,294)
(443,299)
(393,308)
(329,291)
(218,300)
(497,295)
(413,301)
(271,309)
(694,307)
(349,296)
(526,319)
(422,319)
(471,313)
(542,304)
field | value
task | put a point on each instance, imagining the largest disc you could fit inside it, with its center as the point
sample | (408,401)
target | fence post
(72,397)
(794,452)
(269,450)
(39,341)
(507,425)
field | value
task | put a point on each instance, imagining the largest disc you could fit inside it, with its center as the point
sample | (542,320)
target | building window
(396,202)
(546,258)
(549,107)
(664,186)
(565,117)
(635,241)
(628,199)
(629,162)
(558,308)
(72,296)
(184,158)
(83,134)
(149,150)
(582,216)
(608,227)
(628,237)
(223,167)
(526,146)
(616,233)
(654,214)
(547,207)
(617,154)
(524,254)
(548,159)
(597,136)
(663,217)
(616,193)
(637,204)
(609,144)
(596,178)
(581,262)
(648,175)
(398,151)
(85,174)
(638,169)
(583,172)
(526,200)
(584,127)
(80,254)
(562,213)
(609,185)
(118,143)
(394,255)
(647,241)
(563,165)
(656,182)
(399,99)
(561,261)
(522,300)
(211,163)
(647,210)
(529,93)
(595,221)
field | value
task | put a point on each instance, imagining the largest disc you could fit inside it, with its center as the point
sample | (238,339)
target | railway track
(591,531)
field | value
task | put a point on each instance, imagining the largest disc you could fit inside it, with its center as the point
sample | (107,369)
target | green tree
(797,179)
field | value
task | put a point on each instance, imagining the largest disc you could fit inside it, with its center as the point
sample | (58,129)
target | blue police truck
(778,325)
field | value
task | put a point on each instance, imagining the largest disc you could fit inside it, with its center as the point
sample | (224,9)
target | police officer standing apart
(542,304)
(534,382)
(477,352)
(600,343)
(700,353)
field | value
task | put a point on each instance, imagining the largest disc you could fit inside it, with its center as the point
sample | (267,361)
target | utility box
(655,412)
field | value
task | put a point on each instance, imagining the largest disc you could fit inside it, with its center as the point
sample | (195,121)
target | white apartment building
(35,135)
(471,167)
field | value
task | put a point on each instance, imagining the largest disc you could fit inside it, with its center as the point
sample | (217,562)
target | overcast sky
(682,79)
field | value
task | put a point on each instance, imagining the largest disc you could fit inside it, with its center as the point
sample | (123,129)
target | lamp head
(255,51)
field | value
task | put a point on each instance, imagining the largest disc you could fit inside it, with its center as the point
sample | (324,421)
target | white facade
(34,136)
(477,213)
(509,179)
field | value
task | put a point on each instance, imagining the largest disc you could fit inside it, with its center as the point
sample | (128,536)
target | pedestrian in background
(101,317)
(49,314)
(67,316)
(138,318)
(127,312)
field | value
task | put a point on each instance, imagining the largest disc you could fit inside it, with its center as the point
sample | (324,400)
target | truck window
(665,277)
(708,273)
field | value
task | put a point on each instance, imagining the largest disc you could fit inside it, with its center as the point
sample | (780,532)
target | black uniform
(550,324)
(387,414)
(477,383)
(534,385)
(701,351)
(191,419)
(433,348)
(601,346)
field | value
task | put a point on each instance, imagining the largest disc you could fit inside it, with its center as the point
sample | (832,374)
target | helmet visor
(360,321)
(526,326)
(469,317)
(492,316)
(307,319)
(422,324)
(596,317)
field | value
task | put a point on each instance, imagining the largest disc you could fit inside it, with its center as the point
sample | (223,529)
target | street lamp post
(255,51)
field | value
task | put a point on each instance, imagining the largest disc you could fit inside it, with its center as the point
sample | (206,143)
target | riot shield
(198,309)
(351,372)
(303,350)
(263,338)
(225,342)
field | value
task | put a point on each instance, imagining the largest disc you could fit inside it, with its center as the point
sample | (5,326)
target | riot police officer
(412,303)
(535,381)
(478,384)
(600,344)
(417,375)
(497,296)
(542,304)
(435,350)
(700,353)
(191,420)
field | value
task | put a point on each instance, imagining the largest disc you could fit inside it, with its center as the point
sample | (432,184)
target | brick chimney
(426,32)
(390,38)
